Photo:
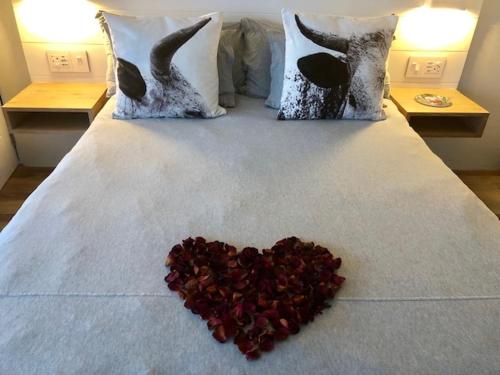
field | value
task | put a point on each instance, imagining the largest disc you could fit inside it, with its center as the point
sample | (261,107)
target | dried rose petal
(293,327)
(246,346)
(266,343)
(282,334)
(171,277)
(261,322)
(220,334)
(257,298)
(338,280)
(254,354)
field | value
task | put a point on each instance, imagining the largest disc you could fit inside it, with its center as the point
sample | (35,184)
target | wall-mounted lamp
(64,21)
(437,25)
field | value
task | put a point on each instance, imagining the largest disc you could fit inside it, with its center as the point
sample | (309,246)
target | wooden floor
(486,185)
(21,184)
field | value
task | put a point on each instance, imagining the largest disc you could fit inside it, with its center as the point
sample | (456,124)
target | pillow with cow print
(335,66)
(166,67)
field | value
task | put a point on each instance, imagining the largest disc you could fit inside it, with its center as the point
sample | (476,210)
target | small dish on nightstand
(433,100)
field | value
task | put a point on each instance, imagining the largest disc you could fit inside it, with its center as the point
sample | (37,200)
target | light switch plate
(68,61)
(426,67)
(80,62)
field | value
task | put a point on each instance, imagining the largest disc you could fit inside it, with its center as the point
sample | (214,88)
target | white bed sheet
(81,264)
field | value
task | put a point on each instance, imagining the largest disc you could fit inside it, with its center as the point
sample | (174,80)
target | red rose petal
(282,334)
(171,277)
(220,334)
(213,322)
(245,345)
(338,280)
(254,354)
(261,322)
(266,343)
(257,298)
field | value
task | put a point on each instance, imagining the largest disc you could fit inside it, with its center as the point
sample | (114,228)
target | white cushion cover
(188,86)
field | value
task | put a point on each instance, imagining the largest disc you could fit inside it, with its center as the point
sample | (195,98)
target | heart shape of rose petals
(255,297)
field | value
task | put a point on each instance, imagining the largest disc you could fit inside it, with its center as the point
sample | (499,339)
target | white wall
(13,77)
(481,81)
(36,44)
(14,74)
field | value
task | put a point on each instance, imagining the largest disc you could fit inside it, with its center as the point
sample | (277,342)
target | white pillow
(166,67)
(335,66)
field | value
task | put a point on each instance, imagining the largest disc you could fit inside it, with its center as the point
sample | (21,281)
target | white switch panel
(68,61)
(80,61)
(425,67)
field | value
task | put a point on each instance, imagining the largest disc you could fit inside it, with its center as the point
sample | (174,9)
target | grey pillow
(225,61)
(257,56)
(277,43)
(229,61)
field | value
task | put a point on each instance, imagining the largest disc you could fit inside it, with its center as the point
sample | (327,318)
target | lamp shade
(436,27)
(63,21)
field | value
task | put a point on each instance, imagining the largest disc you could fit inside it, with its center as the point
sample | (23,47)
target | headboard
(269,8)
(35,46)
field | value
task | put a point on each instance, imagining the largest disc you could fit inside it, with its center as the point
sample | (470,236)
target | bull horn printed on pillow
(330,73)
(150,83)
(345,82)
(168,81)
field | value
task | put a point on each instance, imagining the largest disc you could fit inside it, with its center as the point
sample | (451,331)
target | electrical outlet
(425,67)
(59,61)
(68,61)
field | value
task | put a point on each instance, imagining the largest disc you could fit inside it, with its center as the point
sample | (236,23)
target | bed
(82,263)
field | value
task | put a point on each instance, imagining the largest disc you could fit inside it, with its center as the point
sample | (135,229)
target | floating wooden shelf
(36,122)
(464,119)
(47,119)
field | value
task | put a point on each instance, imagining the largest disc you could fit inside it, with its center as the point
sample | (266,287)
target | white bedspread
(82,263)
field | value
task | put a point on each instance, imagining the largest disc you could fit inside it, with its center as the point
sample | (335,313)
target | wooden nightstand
(463,119)
(47,119)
